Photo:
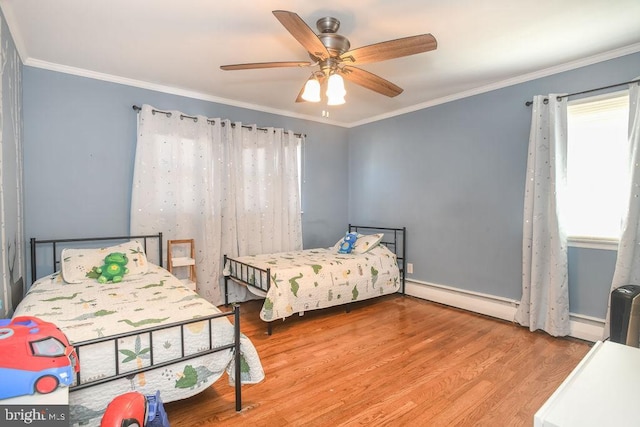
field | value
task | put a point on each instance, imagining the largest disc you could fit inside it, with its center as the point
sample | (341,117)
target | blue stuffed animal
(347,243)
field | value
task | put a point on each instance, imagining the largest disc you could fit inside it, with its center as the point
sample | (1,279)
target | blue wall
(454,175)
(79,146)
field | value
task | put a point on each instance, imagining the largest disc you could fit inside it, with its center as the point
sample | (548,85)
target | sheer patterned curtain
(545,291)
(266,192)
(186,176)
(627,271)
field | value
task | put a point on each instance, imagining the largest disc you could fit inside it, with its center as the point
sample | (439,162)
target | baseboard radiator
(583,327)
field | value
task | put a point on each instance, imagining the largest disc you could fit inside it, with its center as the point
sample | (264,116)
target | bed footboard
(149,332)
(246,275)
(249,276)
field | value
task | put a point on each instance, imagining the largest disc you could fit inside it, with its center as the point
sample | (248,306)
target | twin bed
(146,333)
(295,282)
(150,332)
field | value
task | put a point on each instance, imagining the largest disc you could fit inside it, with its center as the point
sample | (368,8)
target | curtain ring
(183,116)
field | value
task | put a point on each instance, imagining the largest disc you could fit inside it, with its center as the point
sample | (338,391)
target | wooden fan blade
(302,33)
(320,79)
(256,65)
(370,81)
(391,49)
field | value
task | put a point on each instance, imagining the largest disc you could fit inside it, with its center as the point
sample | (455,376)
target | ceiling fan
(331,53)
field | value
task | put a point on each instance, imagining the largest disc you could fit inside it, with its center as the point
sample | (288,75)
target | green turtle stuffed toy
(113,269)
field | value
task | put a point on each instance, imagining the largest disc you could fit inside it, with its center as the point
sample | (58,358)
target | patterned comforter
(319,278)
(90,310)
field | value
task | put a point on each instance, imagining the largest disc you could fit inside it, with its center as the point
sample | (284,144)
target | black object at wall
(625,315)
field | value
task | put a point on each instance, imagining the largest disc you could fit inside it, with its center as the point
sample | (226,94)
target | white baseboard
(582,327)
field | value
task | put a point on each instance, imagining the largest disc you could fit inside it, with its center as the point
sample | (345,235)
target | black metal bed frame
(235,312)
(260,278)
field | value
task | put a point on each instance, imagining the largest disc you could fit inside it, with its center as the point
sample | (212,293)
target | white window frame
(588,241)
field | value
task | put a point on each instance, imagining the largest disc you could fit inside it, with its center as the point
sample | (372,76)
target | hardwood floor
(391,361)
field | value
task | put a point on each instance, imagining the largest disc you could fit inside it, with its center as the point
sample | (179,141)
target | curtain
(189,175)
(627,270)
(266,191)
(545,291)
(12,249)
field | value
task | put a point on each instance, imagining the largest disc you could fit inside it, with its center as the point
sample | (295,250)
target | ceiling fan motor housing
(334,42)
(328,24)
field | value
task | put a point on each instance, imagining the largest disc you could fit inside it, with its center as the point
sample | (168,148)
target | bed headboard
(57,245)
(394,238)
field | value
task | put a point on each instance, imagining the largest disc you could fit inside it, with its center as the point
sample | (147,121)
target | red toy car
(134,409)
(35,356)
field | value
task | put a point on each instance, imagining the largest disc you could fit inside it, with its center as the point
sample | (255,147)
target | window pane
(597,165)
(48,347)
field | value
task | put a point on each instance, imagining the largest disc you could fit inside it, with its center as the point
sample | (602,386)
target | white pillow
(367,242)
(76,263)
(363,244)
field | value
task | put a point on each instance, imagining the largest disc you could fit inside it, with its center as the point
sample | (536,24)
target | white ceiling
(178,46)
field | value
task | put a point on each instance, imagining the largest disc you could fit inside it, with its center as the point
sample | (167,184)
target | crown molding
(616,53)
(81,72)
(568,66)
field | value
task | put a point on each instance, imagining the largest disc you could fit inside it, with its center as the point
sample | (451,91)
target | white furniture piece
(181,255)
(603,390)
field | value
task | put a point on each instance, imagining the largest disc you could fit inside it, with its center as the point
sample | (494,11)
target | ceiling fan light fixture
(311,90)
(335,90)
(336,100)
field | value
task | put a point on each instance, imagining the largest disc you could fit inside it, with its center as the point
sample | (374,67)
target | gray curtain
(231,188)
(545,289)
(627,270)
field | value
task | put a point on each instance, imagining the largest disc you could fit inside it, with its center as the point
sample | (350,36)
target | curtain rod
(528,103)
(194,118)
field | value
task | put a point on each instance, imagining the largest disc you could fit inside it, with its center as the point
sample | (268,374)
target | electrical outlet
(409,268)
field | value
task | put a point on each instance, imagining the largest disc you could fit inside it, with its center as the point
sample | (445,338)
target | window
(597,156)
(260,163)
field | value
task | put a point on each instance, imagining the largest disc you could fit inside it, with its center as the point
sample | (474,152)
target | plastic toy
(35,356)
(135,409)
(113,269)
(347,243)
